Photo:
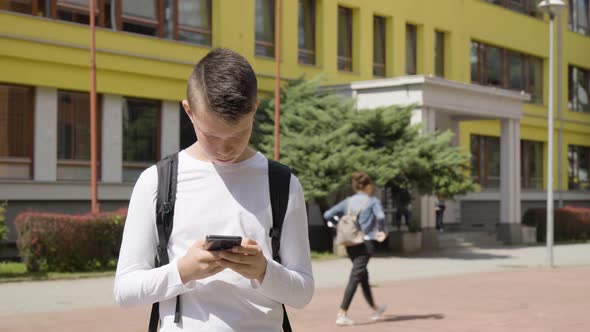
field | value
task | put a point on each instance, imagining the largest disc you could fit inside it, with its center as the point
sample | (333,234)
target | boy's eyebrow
(212,134)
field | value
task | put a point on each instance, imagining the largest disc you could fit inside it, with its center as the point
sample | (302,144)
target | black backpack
(279,178)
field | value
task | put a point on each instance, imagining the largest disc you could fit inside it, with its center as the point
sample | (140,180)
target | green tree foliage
(324,139)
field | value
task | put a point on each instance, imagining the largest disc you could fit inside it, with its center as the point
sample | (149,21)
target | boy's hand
(199,263)
(247,260)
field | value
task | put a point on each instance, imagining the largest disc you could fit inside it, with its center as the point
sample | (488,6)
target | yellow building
(145,51)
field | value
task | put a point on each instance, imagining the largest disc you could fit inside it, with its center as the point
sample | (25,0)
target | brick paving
(518,299)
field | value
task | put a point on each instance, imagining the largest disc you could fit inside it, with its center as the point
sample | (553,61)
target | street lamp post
(552,8)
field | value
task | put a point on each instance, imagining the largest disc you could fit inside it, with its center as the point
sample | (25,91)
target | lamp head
(551,7)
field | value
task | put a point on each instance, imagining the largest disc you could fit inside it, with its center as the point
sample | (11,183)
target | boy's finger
(249,249)
(211,255)
(236,257)
(232,265)
(248,240)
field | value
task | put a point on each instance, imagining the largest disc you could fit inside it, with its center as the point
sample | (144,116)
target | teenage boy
(222,189)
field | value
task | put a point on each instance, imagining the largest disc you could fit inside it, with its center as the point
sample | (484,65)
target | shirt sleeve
(379,215)
(292,281)
(137,281)
(337,210)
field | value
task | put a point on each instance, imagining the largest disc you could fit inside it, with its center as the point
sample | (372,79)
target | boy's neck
(197,152)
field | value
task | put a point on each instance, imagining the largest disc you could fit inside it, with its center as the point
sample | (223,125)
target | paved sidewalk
(468,290)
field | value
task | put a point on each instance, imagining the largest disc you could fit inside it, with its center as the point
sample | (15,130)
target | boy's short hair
(226,82)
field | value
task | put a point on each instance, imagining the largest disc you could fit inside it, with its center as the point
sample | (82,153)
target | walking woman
(371,221)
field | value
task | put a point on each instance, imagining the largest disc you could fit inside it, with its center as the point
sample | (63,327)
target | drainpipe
(559,117)
(93,148)
(277,79)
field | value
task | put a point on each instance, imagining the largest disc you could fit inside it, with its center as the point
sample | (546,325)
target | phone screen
(222,242)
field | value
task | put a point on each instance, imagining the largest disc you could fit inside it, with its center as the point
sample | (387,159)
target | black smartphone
(222,242)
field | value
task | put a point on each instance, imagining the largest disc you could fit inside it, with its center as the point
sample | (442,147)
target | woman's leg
(364,272)
(354,253)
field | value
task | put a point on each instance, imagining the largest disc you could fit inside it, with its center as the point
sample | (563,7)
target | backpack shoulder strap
(167,177)
(279,179)
(166,198)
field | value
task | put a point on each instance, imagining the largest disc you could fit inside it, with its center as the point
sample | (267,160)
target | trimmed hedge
(51,242)
(570,223)
(3,228)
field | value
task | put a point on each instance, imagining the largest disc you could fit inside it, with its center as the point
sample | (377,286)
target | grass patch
(13,272)
(322,256)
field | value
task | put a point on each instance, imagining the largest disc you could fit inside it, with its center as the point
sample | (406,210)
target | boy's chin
(224,162)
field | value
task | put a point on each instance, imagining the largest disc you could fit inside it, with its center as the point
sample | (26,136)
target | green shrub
(51,242)
(570,223)
(3,228)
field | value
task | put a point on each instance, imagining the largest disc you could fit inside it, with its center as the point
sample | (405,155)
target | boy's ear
(187,109)
(257,104)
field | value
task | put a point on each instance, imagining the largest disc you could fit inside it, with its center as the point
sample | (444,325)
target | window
(485,161)
(494,66)
(187,131)
(73,135)
(578,89)
(515,70)
(534,78)
(73,126)
(307,32)
(19,6)
(579,16)
(411,49)
(192,21)
(531,164)
(379,46)
(77,11)
(265,28)
(141,131)
(528,7)
(578,166)
(439,54)
(344,39)
(143,17)
(16,131)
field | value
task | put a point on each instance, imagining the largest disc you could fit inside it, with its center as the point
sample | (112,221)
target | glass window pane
(439,54)
(194,13)
(140,130)
(73,126)
(475,62)
(580,86)
(411,49)
(306,31)
(493,66)
(535,78)
(531,164)
(344,39)
(16,121)
(379,46)
(193,37)
(24,7)
(78,3)
(474,144)
(578,167)
(492,162)
(264,28)
(142,9)
(582,11)
(515,72)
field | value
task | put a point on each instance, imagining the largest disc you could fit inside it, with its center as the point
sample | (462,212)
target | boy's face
(223,142)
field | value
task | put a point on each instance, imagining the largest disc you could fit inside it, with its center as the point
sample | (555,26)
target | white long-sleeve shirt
(220,200)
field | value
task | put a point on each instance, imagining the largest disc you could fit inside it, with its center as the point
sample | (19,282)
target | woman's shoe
(378,314)
(343,320)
